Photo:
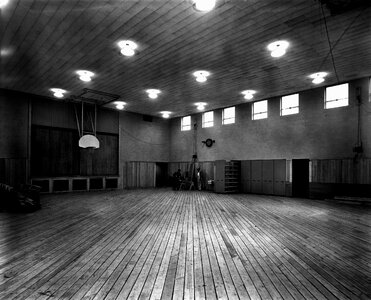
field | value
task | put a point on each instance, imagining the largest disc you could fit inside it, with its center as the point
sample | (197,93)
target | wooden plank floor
(162,244)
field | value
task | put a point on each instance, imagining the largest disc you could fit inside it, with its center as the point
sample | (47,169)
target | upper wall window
(290,105)
(186,123)
(260,110)
(208,119)
(229,115)
(337,96)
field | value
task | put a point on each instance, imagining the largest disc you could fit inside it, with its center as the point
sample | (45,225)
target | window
(290,105)
(260,110)
(336,96)
(229,115)
(208,119)
(186,123)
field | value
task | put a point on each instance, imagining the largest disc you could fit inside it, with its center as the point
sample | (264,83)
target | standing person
(177,178)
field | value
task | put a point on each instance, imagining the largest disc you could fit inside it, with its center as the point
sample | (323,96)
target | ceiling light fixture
(127,47)
(85,75)
(3,3)
(278,48)
(201,76)
(153,93)
(165,114)
(120,105)
(58,93)
(201,105)
(204,5)
(318,77)
(248,94)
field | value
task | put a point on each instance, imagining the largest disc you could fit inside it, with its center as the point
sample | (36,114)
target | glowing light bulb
(248,94)
(200,105)
(204,5)
(318,77)
(165,114)
(120,105)
(3,3)
(127,47)
(127,51)
(153,93)
(278,53)
(201,76)
(85,75)
(201,79)
(278,48)
(58,93)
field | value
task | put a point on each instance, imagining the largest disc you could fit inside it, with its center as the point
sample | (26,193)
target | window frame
(253,114)
(225,121)
(185,127)
(208,124)
(326,101)
(288,109)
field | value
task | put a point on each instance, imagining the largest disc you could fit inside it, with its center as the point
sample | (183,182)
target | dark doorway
(162,177)
(300,178)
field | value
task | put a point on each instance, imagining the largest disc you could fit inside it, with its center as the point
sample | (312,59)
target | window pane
(229,115)
(208,119)
(290,105)
(336,96)
(186,123)
(260,110)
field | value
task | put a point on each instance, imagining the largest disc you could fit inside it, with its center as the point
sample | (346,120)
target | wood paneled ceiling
(45,41)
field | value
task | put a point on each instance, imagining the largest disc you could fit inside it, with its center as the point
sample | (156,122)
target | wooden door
(267,180)
(279,186)
(219,176)
(256,176)
(246,176)
(300,178)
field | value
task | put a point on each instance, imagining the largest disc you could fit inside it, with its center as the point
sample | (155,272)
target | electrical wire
(329,43)
(341,36)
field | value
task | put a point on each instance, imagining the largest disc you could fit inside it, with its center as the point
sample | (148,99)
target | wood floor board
(163,244)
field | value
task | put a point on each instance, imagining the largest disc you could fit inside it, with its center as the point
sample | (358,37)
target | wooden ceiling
(45,41)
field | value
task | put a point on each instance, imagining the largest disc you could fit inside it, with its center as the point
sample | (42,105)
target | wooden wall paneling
(347,171)
(279,167)
(256,176)
(267,177)
(138,174)
(246,176)
(13,171)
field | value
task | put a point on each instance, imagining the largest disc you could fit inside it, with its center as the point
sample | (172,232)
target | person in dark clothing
(177,178)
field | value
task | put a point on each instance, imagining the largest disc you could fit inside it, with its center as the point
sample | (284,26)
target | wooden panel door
(246,176)
(267,172)
(220,176)
(279,186)
(256,176)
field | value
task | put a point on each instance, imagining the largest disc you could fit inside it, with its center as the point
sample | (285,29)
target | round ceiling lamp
(165,114)
(318,77)
(58,93)
(127,47)
(85,75)
(278,48)
(204,5)
(120,105)
(201,76)
(153,93)
(200,105)
(248,94)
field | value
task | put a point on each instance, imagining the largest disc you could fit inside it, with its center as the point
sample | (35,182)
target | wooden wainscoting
(139,174)
(340,177)
(13,171)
